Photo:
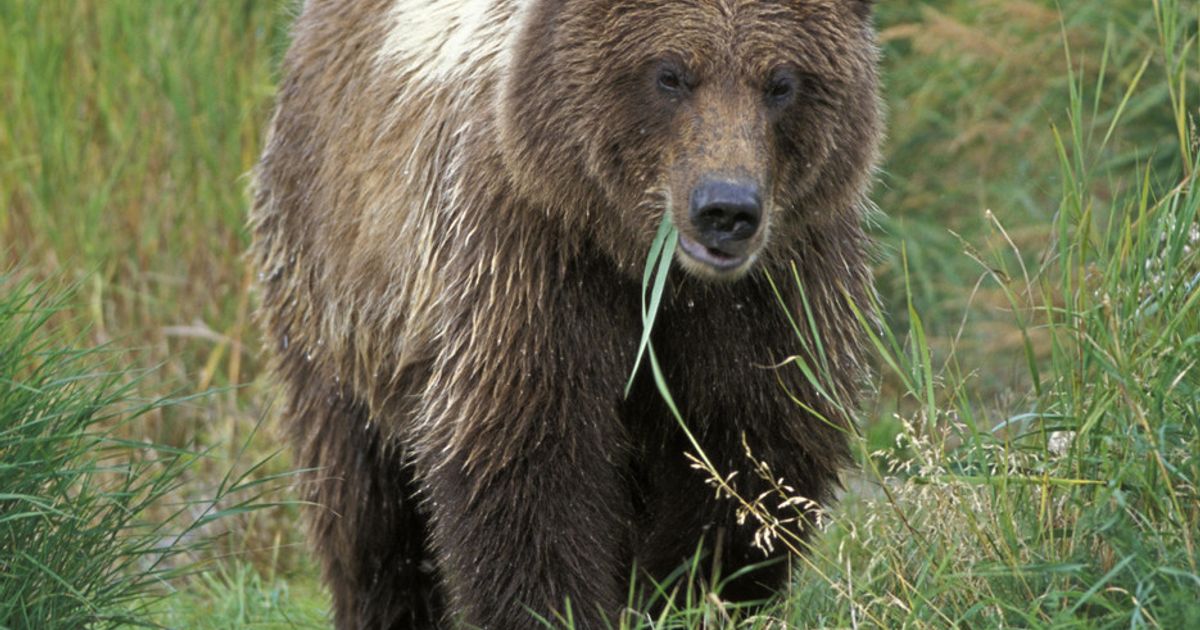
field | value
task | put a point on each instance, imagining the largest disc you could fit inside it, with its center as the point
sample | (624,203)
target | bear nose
(726,214)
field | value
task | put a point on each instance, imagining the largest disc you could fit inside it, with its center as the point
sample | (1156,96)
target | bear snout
(725,216)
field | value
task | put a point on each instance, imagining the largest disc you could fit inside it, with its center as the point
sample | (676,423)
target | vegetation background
(1032,457)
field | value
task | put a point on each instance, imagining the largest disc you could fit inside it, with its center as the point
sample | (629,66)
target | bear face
(749,122)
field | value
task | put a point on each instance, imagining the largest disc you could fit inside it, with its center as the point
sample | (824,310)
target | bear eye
(669,80)
(782,88)
(778,90)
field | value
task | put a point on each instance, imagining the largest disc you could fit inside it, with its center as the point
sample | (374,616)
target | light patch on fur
(436,40)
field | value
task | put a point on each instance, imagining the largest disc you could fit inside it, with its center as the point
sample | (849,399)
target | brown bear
(451,219)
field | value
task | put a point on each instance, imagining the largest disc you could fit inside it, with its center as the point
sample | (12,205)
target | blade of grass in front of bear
(661,382)
(654,281)
(654,278)
(658,262)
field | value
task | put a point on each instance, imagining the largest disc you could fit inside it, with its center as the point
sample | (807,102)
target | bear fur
(451,218)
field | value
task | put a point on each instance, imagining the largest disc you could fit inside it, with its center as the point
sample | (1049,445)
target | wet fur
(451,216)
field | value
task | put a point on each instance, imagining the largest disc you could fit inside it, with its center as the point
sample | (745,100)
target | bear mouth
(712,257)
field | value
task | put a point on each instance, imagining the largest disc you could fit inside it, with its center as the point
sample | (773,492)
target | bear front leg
(542,533)
(683,511)
(739,401)
(365,520)
(522,453)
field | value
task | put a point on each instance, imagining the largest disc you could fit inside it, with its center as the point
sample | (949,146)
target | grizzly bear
(451,220)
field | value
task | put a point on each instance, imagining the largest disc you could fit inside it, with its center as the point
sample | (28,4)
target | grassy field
(1030,458)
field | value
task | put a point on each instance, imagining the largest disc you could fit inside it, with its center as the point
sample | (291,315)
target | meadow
(1029,455)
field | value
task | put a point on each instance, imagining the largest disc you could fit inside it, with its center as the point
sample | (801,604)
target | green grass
(1029,460)
(237,595)
(91,524)
(125,139)
(1076,505)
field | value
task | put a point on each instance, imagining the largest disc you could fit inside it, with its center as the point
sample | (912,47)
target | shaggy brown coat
(451,218)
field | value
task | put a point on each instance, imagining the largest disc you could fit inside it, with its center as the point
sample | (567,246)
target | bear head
(752,122)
